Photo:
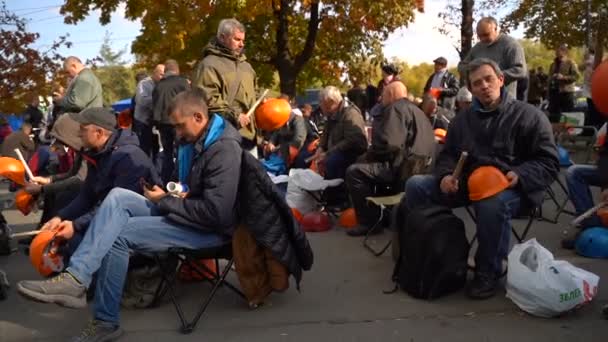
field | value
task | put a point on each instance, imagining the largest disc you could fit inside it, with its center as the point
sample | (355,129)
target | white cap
(464,95)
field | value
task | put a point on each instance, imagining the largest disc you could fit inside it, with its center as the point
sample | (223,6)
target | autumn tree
(117,79)
(557,22)
(23,69)
(295,38)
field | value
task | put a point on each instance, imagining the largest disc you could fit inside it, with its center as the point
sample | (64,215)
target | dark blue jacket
(515,137)
(121,163)
(212,182)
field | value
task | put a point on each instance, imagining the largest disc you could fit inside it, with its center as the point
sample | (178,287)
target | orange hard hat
(24,201)
(12,169)
(315,221)
(125,119)
(486,181)
(296,214)
(43,253)
(603,215)
(272,114)
(599,88)
(440,134)
(435,92)
(348,218)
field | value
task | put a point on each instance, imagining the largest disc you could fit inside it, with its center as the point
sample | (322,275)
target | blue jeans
(493,216)
(578,179)
(126,221)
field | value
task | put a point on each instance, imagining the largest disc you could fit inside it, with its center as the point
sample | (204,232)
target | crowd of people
(111,200)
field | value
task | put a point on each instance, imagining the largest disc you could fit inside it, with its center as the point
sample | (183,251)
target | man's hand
(244,120)
(513,179)
(559,77)
(32,188)
(270,148)
(41,180)
(66,230)
(155,195)
(51,224)
(449,184)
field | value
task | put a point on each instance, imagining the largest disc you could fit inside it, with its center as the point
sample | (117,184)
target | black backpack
(433,252)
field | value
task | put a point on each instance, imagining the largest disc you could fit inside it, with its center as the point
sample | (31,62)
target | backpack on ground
(433,252)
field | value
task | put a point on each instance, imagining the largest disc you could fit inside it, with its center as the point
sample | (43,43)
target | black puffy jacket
(263,210)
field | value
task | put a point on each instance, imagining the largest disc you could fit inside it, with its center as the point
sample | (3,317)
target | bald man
(402,143)
(84,90)
(500,48)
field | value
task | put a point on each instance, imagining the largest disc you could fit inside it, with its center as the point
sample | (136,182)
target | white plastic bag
(301,183)
(543,286)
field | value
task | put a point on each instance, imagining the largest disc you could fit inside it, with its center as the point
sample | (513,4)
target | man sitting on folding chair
(203,217)
(499,131)
(579,178)
(402,136)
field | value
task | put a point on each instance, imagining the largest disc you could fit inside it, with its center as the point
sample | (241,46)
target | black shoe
(98,331)
(483,286)
(361,230)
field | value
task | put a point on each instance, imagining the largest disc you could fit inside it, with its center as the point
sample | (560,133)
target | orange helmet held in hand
(12,169)
(348,218)
(272,114)
(43,253)
(24,202)
(486,181)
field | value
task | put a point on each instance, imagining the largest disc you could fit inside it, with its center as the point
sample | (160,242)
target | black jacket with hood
(515,137)
(120,164)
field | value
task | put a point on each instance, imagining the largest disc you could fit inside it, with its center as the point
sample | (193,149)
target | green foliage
(306,41)
(557,22)
(24,69)
(537,54)
(117,80)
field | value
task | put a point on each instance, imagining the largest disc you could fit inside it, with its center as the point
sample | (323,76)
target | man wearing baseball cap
(443,83)
(114,159)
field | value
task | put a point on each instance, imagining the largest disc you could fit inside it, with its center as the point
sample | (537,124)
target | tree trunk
(466,28)
(288,82)
(289,67)
(600,37)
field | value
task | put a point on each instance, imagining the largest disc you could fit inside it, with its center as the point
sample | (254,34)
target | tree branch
(282,38)
(309,45)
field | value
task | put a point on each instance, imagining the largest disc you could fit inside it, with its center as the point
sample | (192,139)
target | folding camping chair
(385,203)
(190,257)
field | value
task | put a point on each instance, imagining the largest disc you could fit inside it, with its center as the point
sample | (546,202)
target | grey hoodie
(509,55)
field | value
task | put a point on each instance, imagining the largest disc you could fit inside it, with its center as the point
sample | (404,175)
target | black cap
(441,60)
(390,69)
(98,116)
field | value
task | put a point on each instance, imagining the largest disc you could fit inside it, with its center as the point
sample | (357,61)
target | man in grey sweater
(84,90)
(502,49)
(144,108)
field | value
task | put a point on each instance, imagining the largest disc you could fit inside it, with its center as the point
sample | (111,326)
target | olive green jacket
(215,74)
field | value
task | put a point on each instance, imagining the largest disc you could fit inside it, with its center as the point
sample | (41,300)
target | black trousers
(558,104)
(363,180)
